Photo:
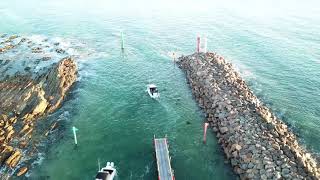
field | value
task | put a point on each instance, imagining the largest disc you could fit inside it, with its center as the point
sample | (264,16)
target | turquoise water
(276,49)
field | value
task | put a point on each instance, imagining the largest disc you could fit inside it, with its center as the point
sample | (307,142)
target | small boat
(107,173)
(153,91)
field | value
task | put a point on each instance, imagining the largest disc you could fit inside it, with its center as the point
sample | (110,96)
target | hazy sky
(242,7)
(251,8)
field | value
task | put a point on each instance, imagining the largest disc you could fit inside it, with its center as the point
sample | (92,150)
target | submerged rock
(37,50)
(258,144)
(60,51)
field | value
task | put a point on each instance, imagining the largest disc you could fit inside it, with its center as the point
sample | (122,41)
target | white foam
(63,43)
(37,38)
(72,51)
(40,158)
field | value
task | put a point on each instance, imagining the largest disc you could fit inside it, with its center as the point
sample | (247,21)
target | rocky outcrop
(23,100)
(7,44)
(257,143)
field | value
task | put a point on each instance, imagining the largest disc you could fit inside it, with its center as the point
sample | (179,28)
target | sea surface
(274,45)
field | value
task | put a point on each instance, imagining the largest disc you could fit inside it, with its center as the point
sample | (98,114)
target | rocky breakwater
(24,99)
(257,143)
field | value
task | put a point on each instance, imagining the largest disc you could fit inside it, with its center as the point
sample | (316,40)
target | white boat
(153,91)
(107,173)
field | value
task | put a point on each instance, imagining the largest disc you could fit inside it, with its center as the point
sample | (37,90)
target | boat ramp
(163,159)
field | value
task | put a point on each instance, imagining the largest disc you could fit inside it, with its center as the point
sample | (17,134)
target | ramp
(163,159)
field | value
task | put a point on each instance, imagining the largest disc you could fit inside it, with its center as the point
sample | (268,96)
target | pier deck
(163,159)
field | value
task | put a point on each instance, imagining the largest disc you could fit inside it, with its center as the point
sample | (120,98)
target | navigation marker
(205,132)
(74,129)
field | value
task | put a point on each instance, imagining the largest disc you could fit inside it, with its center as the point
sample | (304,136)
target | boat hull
(154,95)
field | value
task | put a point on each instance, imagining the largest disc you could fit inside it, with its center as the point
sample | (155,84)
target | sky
(244,7)
(262,9)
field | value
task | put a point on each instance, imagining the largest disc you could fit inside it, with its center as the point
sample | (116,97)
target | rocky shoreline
(25,97)
(257,143)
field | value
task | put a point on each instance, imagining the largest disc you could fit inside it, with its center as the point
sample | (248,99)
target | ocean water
(275,46)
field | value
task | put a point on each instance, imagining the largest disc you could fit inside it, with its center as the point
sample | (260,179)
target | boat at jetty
(153,91)
(107,173)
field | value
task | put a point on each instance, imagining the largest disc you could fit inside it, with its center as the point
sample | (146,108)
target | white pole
(122,41)
(74,129)
(99,164)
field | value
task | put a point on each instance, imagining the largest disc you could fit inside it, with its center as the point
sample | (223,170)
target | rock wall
(23,100)
(257,143)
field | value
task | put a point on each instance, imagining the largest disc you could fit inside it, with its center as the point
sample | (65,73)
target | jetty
(163,159)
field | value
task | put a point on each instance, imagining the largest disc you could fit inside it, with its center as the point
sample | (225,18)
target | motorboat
(107,173)
(153,91)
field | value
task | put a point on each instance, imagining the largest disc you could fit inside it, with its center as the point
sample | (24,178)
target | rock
(23,144)
(285,171)
(258,144)
(259,165)
(9,135)
(222,115)
(276,146)
(270,173)
(46,58)
(263,177)
(250,175)
(250,165)
(236,147)
(223,130)
(27,68)
(277,175)
(238,170)
(60,51)
(13,37)
(233,162)
(235,154)
(13,160)
(23,99)
(37,50)
(22,171)
(214,129)
(244,166)
(269,166)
